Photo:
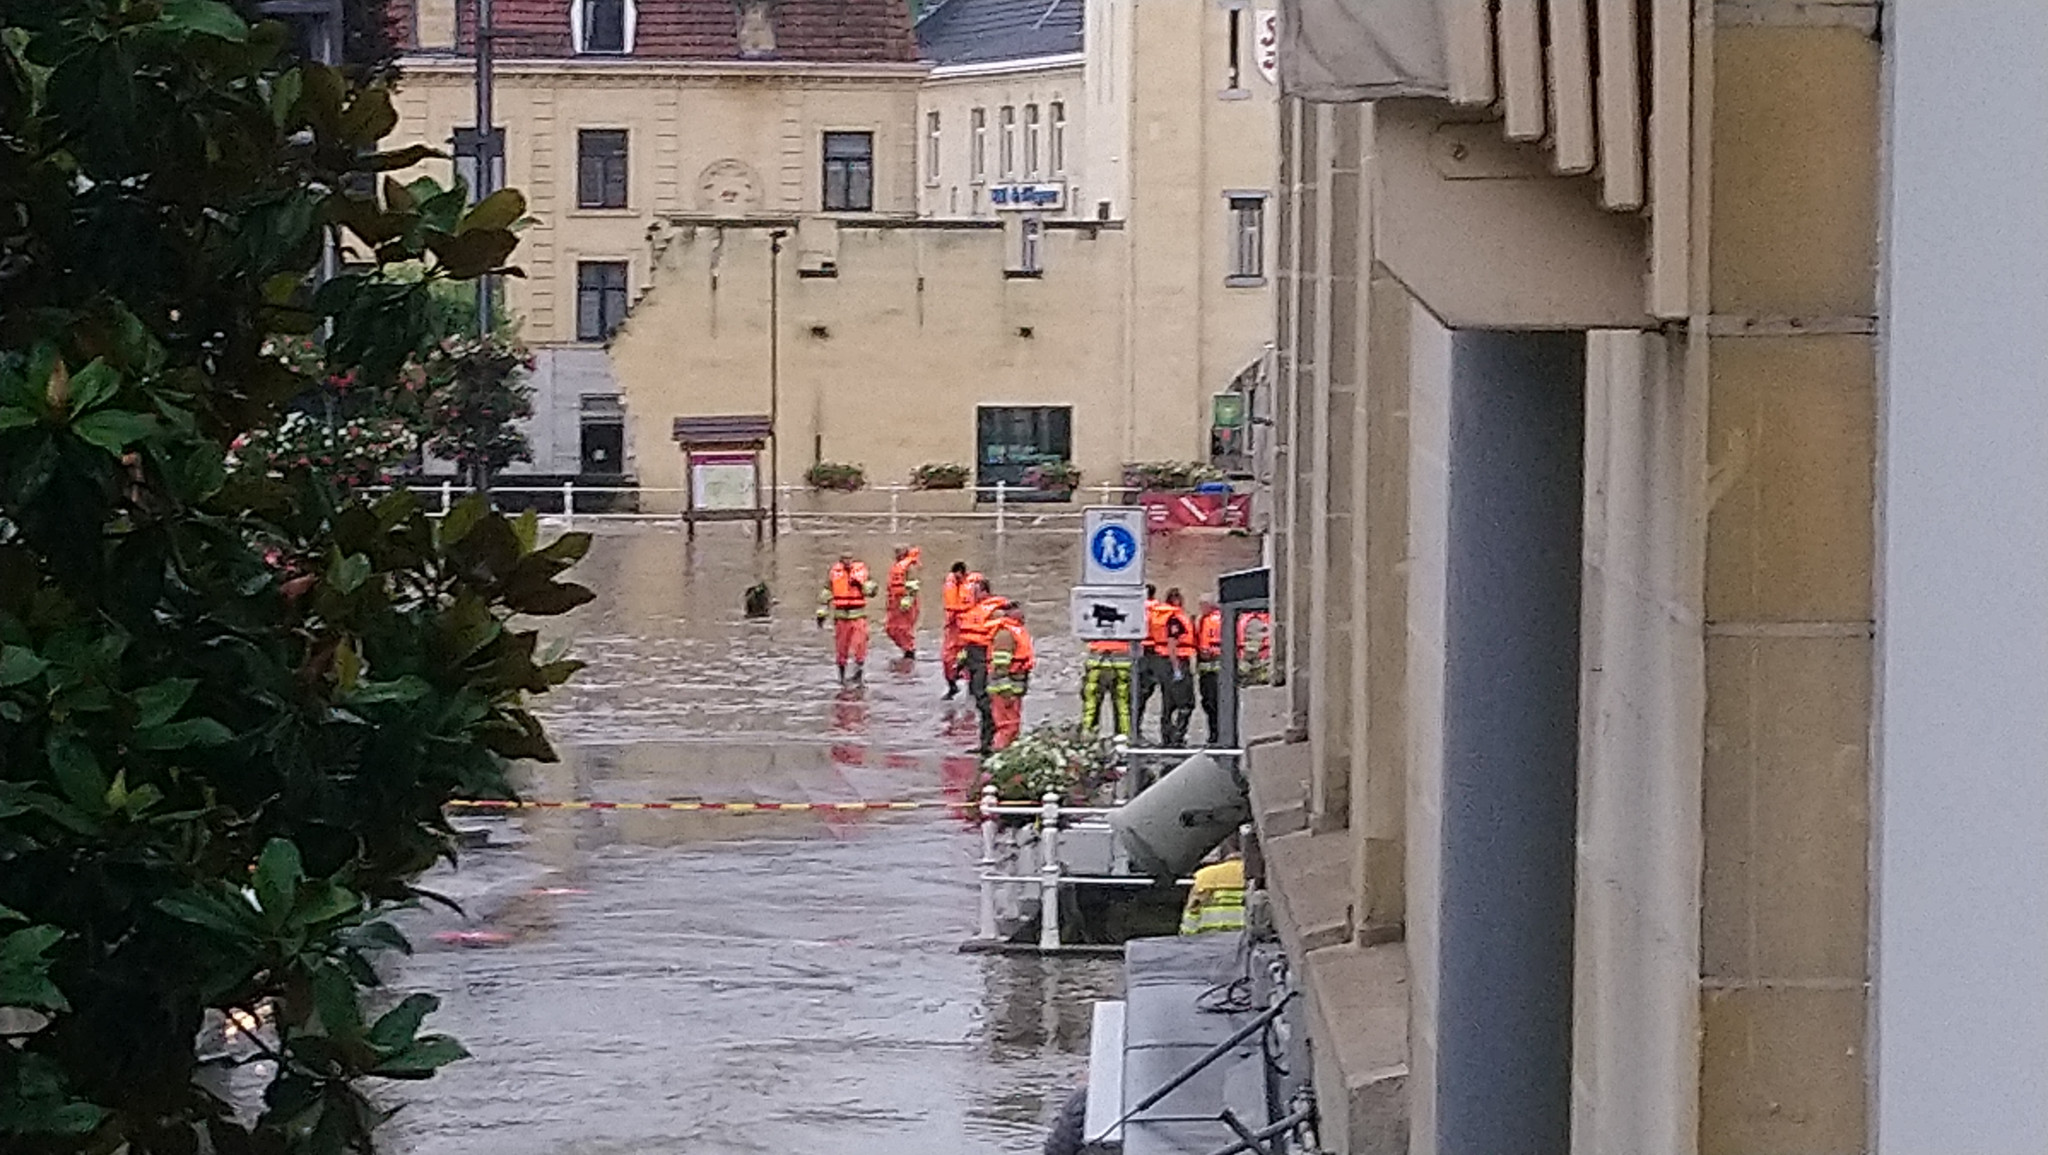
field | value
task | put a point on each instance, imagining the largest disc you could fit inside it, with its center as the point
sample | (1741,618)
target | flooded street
(643,981)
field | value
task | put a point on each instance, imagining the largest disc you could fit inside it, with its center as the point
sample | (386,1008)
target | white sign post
(1113,546)
(1109,613)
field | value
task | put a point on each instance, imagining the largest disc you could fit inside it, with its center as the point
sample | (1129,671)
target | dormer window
(602,26)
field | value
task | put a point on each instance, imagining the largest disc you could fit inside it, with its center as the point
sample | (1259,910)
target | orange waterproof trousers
(901,626)
(1008,710)
(850,640)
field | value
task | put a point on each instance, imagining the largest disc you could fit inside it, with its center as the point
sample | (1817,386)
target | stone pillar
(1784,352)
(1282,478)
(1334,553)
(1962,998)
(1510,743)
(1379,606)
(1309,265)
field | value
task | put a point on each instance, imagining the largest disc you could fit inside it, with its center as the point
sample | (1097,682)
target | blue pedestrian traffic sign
(1113,546)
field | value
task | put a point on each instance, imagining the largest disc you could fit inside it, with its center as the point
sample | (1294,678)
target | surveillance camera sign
(1109,613)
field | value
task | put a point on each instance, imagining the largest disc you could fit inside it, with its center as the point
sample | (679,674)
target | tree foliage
(232,706)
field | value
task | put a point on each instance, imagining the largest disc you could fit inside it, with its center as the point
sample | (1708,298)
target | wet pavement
(670,981)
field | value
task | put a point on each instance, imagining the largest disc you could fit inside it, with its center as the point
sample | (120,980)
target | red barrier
(1166,512)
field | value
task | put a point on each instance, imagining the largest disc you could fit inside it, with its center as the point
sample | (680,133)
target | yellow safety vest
(1217,901)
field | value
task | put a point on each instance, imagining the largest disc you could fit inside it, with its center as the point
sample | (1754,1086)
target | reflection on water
(641,981)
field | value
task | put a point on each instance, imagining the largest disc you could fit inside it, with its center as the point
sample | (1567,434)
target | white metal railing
(1006,508)
(1051,873)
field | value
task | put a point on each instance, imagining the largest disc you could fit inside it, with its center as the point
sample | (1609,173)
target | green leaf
(206,17)
(396,1028)
(463,518)
(326,901)
(420,1060)
(549,600)
(472,254)
(93,386)
(410,688)
(183,735)
(277,878)
(159,703)
(526,528)
(19,664)
(24,971)
(347,575)
(566,549)
(76,770)
(14,417)
(498,211)
(205,910)
(114,430)
(335,997)
(392,160)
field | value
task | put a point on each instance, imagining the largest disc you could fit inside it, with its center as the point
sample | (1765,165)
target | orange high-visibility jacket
(1009,648)
(848,586)
(1112,649)
(1168,630)
(978,625)
(960,593)
(1209,636)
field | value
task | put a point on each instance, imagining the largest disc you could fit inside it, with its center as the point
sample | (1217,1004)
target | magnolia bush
(359,451)
(234,703)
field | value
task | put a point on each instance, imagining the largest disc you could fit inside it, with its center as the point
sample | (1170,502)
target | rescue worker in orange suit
(962,589)
(900,622)
(1209,661)
(845,601)
(1009,675)
(977,630)
(1167,667)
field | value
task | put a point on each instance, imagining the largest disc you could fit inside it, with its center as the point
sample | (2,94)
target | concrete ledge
(1262,714)
(1358,1025)
(1278,776)
(1308,879)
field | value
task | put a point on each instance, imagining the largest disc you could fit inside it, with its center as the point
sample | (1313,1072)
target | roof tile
(817,31)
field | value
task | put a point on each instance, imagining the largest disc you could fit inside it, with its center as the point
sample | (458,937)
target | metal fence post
(894,497)
(1049,874)
(447,495)
(568,505)
(1002,503)
(989,803)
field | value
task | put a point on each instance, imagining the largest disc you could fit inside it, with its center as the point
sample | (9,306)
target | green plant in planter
(1054,475)
(939,475)
(836,477)
(1055,758)
(1168,475)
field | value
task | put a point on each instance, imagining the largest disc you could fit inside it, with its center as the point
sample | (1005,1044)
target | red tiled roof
(824,31)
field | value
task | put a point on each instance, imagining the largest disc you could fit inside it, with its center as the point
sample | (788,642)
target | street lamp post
(486,149)
(775,239)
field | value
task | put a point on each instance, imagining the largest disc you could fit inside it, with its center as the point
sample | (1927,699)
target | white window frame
(1006,147)
(1244,205)
(931,148)
(1033,138)
(576,9)
(1056,139)
(978,162)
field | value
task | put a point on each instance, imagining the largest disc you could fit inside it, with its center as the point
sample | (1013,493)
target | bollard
(568,505)
(1002,503)
(1049,874)
(447,496)
(988,864)
(894,497)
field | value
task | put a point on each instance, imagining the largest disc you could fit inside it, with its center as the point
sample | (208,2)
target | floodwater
(633,982)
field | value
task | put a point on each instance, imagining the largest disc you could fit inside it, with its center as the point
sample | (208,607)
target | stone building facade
(1662,661)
